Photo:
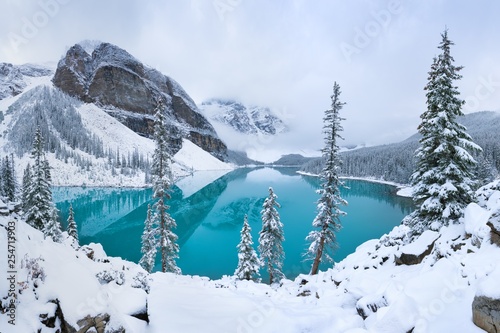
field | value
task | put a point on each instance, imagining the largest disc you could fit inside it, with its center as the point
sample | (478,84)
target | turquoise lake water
(210,219)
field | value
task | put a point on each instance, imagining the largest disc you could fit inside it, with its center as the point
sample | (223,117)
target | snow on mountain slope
(244,119)
(366,292)
(195,158)
(15,78)
(92,150)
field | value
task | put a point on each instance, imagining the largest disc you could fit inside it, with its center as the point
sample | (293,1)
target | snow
(433,296)
(405,192)
(421,244)
(193,157)
(475,219)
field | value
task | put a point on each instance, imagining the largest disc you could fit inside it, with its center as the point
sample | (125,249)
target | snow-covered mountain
(87,143)
(114,80)
(14,79)
(444,281)
(242,118)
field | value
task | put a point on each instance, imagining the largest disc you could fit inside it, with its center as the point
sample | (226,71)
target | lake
(209,216)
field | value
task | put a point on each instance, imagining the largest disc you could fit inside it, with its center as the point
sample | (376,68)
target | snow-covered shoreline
(402,190)
(368,291)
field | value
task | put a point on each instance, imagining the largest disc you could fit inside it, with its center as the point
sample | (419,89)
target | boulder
(415,252)
(494,233)
(486,313)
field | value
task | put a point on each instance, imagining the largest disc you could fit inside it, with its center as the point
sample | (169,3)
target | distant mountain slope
(114,80)
(395,162)
(14,79)
(243,119)
(292,160)
(85,145)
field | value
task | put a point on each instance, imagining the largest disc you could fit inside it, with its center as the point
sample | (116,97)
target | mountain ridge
(127,89)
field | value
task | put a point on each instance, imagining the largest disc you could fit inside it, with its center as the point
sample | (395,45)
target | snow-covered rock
(365,292)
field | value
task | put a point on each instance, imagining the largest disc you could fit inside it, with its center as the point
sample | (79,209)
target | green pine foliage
(149,243)
(40,211)
(271,239)
(72,228)
(327,221)
(248,261)
(443,180)
(162,181)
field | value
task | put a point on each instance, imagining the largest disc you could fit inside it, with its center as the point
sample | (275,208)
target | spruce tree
(25,190)
(8,179)
(443,181)
(248,262)
(72,228)
(271,238)
(327,221)
(52,228)
(162,181)
(149,243)
(40,211)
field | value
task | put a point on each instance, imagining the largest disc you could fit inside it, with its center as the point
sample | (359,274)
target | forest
(395,162)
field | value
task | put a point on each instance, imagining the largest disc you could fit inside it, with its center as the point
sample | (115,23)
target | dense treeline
(395,162)
(54,114)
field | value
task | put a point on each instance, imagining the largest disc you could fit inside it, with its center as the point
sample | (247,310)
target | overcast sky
(283,54)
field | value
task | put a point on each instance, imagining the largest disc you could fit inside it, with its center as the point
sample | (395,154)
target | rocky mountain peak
(113,79)
(246,119)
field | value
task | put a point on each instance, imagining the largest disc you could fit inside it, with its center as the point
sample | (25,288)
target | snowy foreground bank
(374,289)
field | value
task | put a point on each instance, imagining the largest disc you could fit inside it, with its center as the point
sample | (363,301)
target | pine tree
(443,181)
(149,241)
(26,188)
(162,181)
(248,262)
(271,238)
(72,228)
(52,229)
(327,221)
(40,211)
(8,179)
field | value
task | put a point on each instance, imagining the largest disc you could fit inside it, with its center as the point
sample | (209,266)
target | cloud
(285,54)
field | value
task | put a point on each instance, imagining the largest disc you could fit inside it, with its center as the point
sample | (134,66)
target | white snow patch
(421,244)
(475,219)
(405,192)
(195,158)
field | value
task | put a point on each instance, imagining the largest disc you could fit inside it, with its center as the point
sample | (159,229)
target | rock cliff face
(113,79)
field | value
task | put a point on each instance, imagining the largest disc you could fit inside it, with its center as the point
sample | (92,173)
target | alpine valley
(95,109)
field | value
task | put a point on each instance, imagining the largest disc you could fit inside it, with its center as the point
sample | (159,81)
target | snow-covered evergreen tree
(443,181)
(248,262)
(72,228)
(26,185)
(8,179)
(271,238)
(327,221)
(52,229)
(40,211)
(162,181)
(149,243)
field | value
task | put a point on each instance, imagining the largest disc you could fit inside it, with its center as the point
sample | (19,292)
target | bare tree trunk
(317,259)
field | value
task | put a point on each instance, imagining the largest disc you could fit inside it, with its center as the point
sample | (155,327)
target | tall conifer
(327,221)
(443,181)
